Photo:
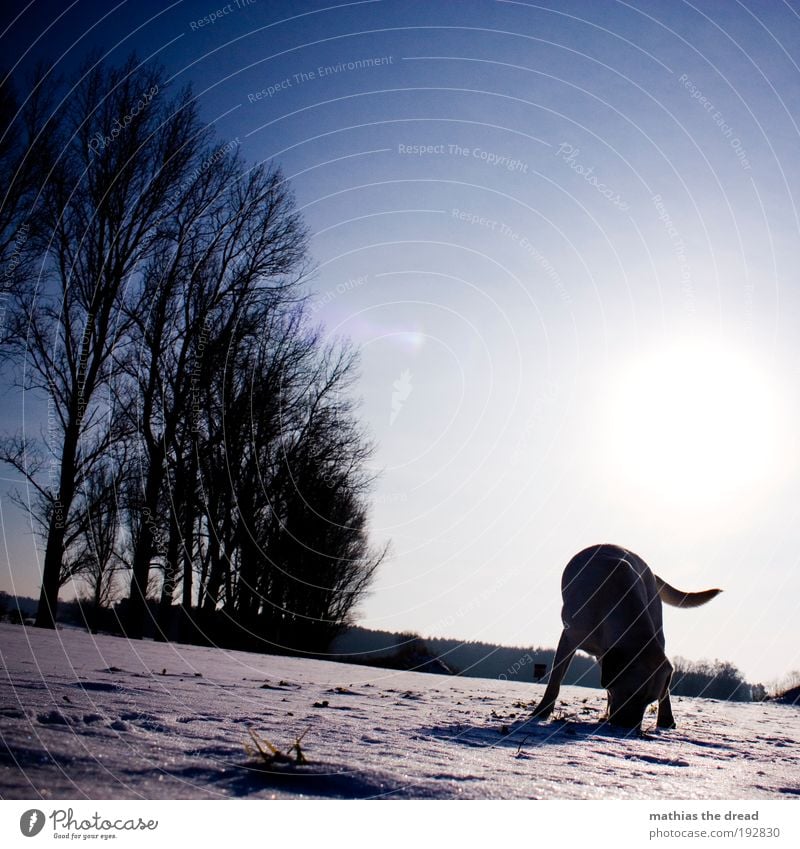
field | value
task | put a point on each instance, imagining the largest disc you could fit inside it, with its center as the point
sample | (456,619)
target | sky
(564,237)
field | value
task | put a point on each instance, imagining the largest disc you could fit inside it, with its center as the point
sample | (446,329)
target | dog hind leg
(665,718)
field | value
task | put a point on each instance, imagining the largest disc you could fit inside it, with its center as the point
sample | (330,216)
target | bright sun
(695,423)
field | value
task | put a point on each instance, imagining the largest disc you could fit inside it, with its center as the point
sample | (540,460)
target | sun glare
(695,423)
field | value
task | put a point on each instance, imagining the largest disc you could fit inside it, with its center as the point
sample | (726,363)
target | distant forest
(439,655)
(712,680)
(471,659)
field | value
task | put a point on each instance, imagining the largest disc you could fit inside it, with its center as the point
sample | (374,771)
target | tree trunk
(51,576)
(54,552)
(144,554)
(214,585)
(170,580)
(205,563)
(96,602)
(189,516)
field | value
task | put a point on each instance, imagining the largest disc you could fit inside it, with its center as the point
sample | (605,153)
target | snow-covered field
(102,718)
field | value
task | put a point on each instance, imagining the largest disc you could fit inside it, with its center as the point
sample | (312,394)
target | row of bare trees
(713,680)
(201,435)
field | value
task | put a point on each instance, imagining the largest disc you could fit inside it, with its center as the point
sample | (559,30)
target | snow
(105,718)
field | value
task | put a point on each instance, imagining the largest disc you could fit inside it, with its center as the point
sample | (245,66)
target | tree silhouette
(94,556)
(199,427)
(122,150)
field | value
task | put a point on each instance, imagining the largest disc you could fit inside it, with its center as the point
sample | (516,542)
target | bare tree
(170,331)
(26,153)
(320,544)
(94,556)
(124,151)
(39,502)
(234,249)
(293,557)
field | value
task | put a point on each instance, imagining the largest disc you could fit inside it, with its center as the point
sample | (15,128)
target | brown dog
(612,609)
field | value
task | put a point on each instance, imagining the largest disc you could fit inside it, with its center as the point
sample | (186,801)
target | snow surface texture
(104,718)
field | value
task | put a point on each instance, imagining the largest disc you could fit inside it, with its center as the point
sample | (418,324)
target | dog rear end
(612,609)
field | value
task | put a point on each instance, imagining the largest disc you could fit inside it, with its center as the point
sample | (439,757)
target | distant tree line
(201,463)
(787,689)
(473,659)
(406,650)
(713,680)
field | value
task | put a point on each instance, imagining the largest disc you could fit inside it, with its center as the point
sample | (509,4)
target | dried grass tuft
(272,755)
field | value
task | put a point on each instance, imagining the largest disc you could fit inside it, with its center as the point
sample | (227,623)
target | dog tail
(676,598)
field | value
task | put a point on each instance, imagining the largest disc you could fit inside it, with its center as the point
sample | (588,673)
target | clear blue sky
(565,237)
